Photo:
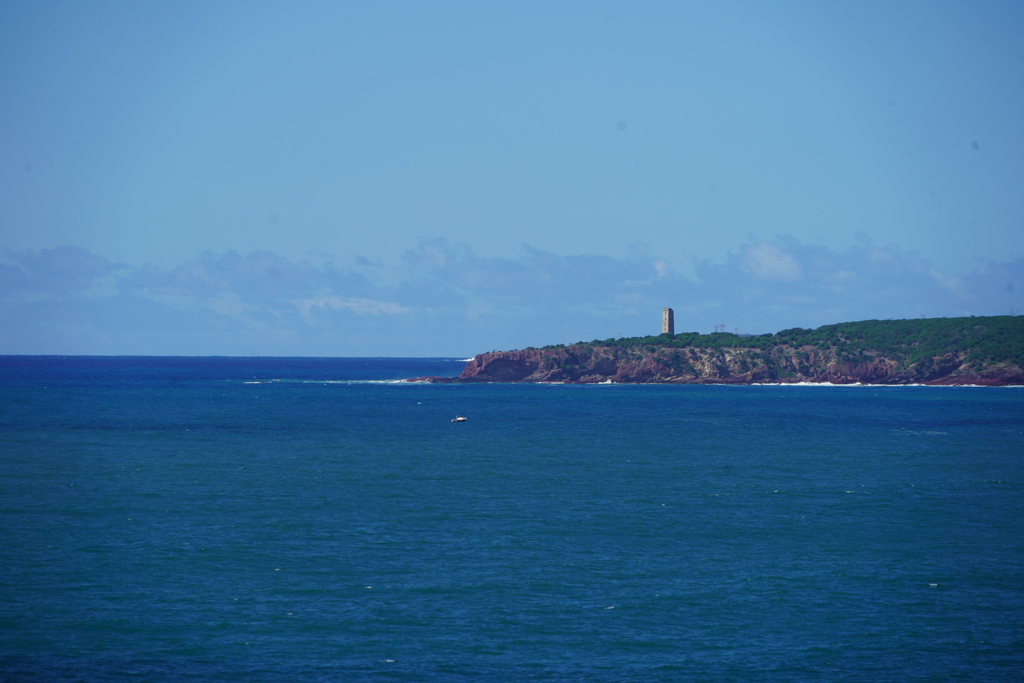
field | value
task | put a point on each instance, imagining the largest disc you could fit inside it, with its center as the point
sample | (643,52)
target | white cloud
(359,306)
(449,300)
(769,263)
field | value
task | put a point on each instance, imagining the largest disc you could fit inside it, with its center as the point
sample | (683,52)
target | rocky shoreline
(783,364)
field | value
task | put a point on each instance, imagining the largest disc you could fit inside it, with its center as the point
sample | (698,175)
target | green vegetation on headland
(982,350)
(994,339)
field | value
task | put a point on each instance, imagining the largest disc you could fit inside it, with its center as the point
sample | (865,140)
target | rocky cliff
(965,350)
(784,364)
(986,351)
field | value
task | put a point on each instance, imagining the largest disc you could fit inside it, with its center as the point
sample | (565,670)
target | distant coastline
(980,351)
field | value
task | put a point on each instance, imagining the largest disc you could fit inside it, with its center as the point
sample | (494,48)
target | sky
(443,179)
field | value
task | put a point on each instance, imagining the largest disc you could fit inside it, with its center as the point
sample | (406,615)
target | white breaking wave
(335,381)
(357,381)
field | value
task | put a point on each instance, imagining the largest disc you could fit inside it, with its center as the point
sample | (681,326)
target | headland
(987,351)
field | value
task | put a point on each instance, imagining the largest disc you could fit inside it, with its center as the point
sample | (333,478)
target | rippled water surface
(309,519)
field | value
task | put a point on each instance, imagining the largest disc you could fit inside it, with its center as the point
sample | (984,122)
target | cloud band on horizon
(447,300)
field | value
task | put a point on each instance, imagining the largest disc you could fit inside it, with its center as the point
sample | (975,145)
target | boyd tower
(668,322)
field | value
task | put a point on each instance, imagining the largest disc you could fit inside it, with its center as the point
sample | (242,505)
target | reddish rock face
(507,366)
(784,364)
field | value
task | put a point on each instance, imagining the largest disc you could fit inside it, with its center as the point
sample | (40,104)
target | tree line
(989,339)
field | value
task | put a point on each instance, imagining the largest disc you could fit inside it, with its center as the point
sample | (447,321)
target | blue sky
(449,178)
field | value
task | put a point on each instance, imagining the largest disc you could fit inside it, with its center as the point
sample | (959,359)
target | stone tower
(668,322)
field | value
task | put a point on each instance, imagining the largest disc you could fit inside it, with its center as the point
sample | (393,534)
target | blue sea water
(168,519)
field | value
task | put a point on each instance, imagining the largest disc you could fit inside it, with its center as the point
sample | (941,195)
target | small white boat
(458,418)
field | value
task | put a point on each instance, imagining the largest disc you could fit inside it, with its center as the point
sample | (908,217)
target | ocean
(313,519)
